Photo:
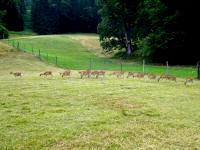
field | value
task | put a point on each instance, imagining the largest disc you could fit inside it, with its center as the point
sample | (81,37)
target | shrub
(3,32)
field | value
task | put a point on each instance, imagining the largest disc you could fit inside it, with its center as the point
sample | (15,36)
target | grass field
(82,51)
(109,113)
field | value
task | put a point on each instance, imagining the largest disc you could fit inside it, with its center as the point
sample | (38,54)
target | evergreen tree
(65,16)
(13,18)
(40,13)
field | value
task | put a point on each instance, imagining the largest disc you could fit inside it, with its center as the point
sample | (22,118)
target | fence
(95,63)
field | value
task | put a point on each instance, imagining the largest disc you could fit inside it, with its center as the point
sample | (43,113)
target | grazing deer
(101,73)
(66,73)
(85,73)
(47,73)
(131,74)
(118,73)
(189,79)
(139,75)
(167,77)
(98,73)
(172,78)
(95,73)
(152,76)
(16,74)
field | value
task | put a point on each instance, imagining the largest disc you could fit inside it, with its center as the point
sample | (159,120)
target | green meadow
(107,113)
(82,51)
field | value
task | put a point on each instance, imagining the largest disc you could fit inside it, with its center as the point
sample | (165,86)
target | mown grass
(82,51)
(107,113)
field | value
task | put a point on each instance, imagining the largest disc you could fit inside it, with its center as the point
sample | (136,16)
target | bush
(3,32)
(153,47)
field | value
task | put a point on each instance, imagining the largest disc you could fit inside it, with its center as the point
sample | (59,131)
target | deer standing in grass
(130,74)
(98,73)
(66,73)
(167,77)
(101,73)
(47,73)
(139,75)
(189,79)
(85,73)
(152,76)
(16,74)
(118,73)
(95,73)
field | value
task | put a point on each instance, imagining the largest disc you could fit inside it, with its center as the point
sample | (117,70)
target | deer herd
(119,74)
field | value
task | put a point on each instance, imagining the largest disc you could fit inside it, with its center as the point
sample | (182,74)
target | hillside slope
(14,60)
(107,113)
(82,51)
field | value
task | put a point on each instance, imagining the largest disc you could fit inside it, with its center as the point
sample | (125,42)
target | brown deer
(167,77)
(118,73)
(101,73)
(66,73)
(98,73)
(47,73)
(130,74)
(152,76)
(139,75)
(85,73)
(172,78)
(95,73)
(189,79)
(16,74)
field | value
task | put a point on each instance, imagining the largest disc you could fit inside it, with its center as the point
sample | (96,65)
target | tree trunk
(128,43)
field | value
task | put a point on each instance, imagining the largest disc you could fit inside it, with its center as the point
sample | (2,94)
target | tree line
(61,16)
(155,30)
(11,16)
(50,16)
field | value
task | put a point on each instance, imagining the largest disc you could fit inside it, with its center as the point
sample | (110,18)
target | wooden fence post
(56,60)
(198,70)
(47,57)
(121,66)
(143,66)
(167,69)
(39,54)
(90,64)
(18,45)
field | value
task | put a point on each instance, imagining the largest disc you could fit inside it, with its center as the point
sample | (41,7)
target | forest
(154,30)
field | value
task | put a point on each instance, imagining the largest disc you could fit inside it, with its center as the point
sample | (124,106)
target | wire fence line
(91,63)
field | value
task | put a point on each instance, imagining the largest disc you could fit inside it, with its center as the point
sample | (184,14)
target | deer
(167,77)
(47,73)
(95,73)
(16,74)
(101,73)
(130,74)
(98,73)
(172,78)
(118,73)
(85,73)
(139,75)
(66,73)
(151,76)
(189,79)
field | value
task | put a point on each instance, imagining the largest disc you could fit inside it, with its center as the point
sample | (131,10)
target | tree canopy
(158,30)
